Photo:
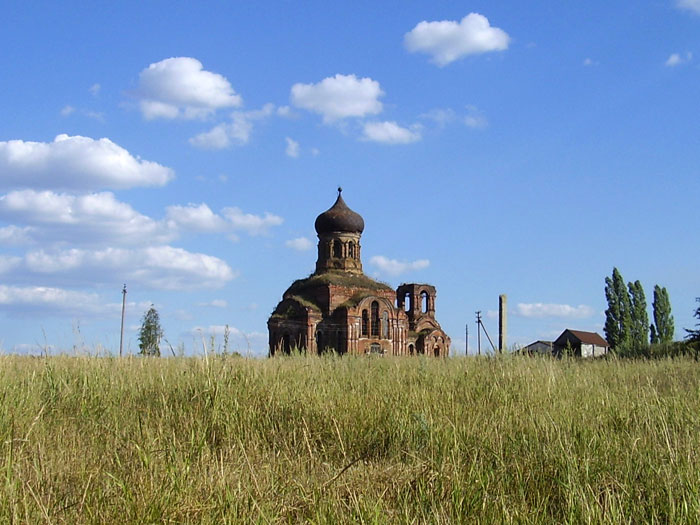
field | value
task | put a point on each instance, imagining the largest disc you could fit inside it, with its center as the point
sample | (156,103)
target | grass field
(349,440)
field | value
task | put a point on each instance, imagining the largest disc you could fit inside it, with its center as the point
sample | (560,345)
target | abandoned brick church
(338,308)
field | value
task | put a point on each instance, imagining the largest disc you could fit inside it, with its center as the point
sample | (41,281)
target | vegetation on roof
(354,299)
(337,278)
(287,310)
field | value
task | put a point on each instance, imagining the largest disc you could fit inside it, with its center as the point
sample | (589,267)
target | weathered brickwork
(338,308)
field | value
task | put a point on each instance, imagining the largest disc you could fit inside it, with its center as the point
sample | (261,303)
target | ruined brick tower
(339,308)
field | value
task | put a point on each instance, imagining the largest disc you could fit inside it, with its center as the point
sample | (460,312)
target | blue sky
(185,149)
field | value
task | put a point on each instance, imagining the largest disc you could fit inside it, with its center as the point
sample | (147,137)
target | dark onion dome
(339,218)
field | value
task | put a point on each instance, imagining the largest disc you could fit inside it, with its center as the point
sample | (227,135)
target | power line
(480,326)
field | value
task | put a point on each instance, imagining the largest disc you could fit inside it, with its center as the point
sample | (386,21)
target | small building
(582,344)
(339,308)
(537,348)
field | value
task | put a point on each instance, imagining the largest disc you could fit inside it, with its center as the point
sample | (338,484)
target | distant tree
(663,328)
(639,327)
(618,316)
(150,333)
(694,335)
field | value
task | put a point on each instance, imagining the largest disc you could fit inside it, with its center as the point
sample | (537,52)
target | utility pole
(478,332)
(502,323)
(121,337)
(480,326)
(466,343)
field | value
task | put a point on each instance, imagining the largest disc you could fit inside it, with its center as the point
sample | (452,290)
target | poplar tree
(150,333)
(639,327)
(618,316)
(663,328)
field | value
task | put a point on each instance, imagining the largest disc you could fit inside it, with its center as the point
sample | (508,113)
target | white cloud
(249,223)
(691,5)
(95,89)
(589,62)
(79,219)
(677,59)
(96,115)
(339,97)
(285,111)
(447,41)
(178,269)
(215,303)
(43,298)
(180,87)
(76,163)
(237,131)
(539,310)
(214,329)
(242,122)
(8,263)
(301,244)
(440,116)
(58,220)
(292,149)
(390,133)
(155,267)
(673,60)
(48,300)
(394,268)
(197,218)
(15,235)
(216,138)
(100,219)
(180,315)
(200,218)
(475,118)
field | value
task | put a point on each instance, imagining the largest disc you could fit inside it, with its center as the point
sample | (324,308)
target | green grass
(348,440)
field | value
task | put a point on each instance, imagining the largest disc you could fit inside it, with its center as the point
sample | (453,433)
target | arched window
(424,301)
(337,249)
(436,350)
(385,325)
(286,346)
(351,250)
(374,325)
(407,302)
(411,350)
(365,323)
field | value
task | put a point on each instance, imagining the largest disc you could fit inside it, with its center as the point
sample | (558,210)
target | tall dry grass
(348,440)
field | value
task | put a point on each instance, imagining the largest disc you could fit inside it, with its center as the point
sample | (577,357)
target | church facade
(338,308)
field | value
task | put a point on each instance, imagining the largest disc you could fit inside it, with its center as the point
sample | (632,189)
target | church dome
(339,218)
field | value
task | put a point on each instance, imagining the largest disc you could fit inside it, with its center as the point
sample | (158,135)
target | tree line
(628,329)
